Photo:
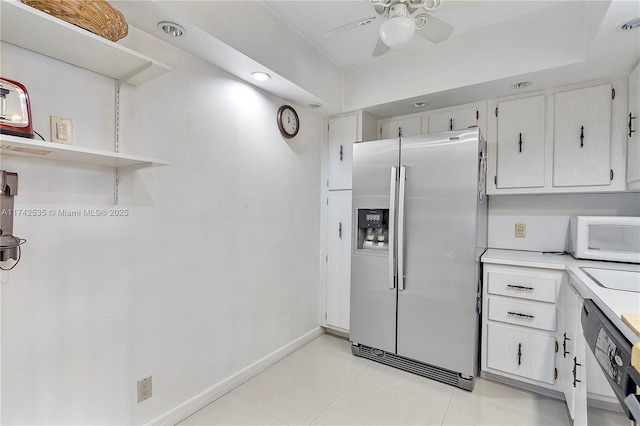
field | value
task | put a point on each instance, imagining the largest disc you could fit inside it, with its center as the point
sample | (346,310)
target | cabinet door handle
(575,371)
(581,136)
(631,118)
(518,314)
(451,124)
(519,353)
(340,230)
(341,153)
(519,287)
(564,346)
(520,143)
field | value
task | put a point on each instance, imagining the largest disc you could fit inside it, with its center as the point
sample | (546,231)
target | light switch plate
(61,130)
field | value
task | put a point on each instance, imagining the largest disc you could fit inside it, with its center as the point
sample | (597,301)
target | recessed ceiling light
(260,76)
(172,29)
(629,25)
(419,104)
(521,85)
(315,106)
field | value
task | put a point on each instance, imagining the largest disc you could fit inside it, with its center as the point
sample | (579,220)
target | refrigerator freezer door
(373,301)
(437,319)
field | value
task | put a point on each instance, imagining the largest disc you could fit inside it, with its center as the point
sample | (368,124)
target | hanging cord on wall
(17,243)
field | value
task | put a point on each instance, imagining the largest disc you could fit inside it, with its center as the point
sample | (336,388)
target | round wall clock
(288,121)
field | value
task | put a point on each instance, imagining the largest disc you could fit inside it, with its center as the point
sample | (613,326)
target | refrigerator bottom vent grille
(406,364)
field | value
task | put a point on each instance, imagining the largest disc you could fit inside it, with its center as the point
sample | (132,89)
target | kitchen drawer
(534,315)
(534,286)
(522,353)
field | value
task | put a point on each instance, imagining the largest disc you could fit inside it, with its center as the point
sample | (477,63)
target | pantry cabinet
(633,134)
(343,132)
(521,143)
(338,259)
(582,137)
(519,324)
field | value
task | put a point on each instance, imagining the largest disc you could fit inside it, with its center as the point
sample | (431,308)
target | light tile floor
(324,384)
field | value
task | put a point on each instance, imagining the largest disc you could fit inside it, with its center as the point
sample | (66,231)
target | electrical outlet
(61,130)
(144,389)
(521,230)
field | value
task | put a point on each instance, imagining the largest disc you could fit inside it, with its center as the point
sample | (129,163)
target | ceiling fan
(403,18)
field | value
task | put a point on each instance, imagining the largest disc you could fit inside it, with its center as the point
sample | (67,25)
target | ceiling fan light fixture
(397,30)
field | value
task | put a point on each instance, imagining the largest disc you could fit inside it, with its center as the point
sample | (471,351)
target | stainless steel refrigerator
(419,229)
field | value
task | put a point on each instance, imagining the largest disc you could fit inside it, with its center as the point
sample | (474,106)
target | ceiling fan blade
(435,31)
(349,27)
(380,49)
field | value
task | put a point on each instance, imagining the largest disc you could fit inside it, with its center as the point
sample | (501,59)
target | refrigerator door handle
(403,176)
(392,227)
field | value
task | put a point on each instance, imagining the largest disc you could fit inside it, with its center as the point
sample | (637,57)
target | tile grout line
(340,394)
(258,408)
(448,405)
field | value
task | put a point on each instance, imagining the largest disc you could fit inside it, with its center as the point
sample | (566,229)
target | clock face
(288,121)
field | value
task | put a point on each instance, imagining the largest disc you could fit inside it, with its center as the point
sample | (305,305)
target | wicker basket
(97,16)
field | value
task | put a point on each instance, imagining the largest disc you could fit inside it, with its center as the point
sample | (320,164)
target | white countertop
(613,303)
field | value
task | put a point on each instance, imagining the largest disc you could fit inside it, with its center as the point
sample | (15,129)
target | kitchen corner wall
(212,265)
(547,217)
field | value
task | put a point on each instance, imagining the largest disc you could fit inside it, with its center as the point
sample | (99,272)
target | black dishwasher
(612,351)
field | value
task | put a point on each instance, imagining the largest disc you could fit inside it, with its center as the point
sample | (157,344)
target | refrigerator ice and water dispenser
(373,230)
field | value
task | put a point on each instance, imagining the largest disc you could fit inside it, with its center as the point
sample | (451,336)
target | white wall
(215,266)
(547,217)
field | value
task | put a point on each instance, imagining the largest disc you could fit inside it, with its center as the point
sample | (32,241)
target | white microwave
(613,238)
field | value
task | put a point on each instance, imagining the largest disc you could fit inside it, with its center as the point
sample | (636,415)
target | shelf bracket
(132,74)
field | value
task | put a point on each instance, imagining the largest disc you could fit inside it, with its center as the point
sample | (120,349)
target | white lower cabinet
(532,337)
(338,260)
(519,324)
(571,355)
(522,353)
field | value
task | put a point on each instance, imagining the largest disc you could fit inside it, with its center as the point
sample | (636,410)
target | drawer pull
(519,287)
(518,314)
(564,346)
(520,356)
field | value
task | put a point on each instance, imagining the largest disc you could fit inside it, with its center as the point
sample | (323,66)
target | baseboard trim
(200,401)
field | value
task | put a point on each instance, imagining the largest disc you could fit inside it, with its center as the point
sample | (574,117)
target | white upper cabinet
(573,140)
(411,126)
(452,120)
(633,134)
(521,143)
(343,132)
(582,137)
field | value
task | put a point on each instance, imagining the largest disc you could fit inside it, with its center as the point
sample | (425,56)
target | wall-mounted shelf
(37,31)
(24,147)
